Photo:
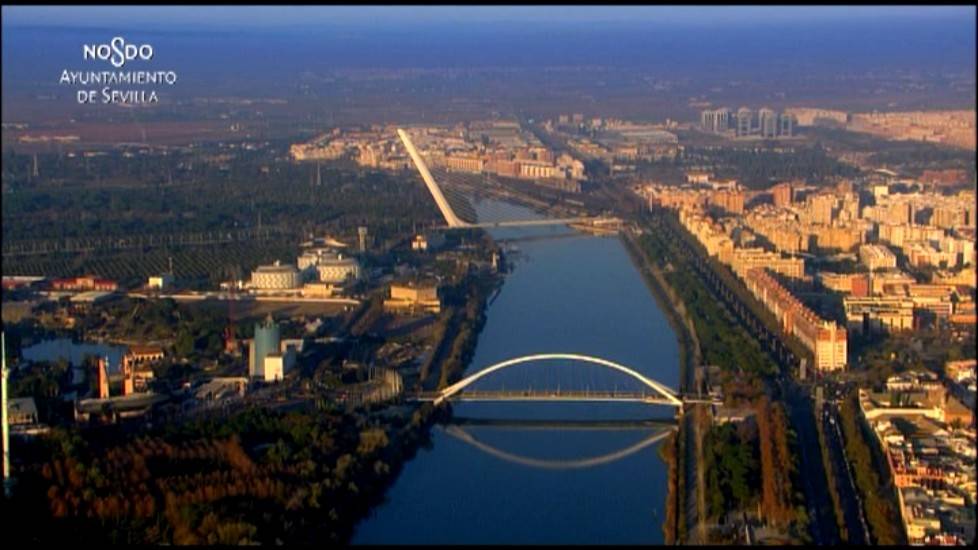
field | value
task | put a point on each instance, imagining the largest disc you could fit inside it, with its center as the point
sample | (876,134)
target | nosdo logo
(117,51)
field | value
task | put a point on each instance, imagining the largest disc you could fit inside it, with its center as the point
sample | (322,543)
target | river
(486,484)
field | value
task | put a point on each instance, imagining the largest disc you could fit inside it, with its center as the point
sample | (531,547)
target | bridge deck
(563,395)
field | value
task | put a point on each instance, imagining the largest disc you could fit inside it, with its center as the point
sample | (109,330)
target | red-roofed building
(85,283)
(826,340)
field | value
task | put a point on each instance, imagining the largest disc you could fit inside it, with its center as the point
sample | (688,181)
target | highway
(799,406)
(852,511)
(797,401)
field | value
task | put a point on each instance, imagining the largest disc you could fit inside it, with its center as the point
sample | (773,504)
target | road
(824,529)
(693,474)
(798,402)
(852,511)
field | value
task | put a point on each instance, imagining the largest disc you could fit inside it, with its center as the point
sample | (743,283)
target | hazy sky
(219,16)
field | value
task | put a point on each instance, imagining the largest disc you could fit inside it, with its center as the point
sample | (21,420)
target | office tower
(706,121)
(744,121)
(715,121)
(768,123)
(786,125)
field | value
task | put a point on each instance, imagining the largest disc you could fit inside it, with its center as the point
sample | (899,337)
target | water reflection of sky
(564,445)
(457,493)
(576,294)
(73,352)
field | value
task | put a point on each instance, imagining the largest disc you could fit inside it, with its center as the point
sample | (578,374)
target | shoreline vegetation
(259,475)
(673,449)
(752,452)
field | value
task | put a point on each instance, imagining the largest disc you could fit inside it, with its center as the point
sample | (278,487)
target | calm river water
(525,484)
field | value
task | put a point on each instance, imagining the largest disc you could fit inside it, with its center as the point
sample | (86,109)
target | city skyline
(663,275)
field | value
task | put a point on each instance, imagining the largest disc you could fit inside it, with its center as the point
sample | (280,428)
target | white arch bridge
(660,394)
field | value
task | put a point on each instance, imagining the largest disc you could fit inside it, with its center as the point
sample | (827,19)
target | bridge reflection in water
(660,429)
(651,392)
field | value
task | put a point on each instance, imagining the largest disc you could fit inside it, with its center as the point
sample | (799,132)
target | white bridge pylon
(454,222)
(668,393)
(429,181)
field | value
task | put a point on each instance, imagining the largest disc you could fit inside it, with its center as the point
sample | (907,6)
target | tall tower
(707,121)
(6,428)
(34,171)
(745,121)
(768,123)
(267,340)
(362,232)
(103,378)
(127,378)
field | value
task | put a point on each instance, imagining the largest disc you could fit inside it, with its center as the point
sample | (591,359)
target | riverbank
(465,322)
(683,452)
(542,486)
(260,475)
(668,452)
(744,345)
(689,349)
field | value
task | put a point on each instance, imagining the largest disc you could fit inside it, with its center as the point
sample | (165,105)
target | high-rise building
(821,208)
(745,122)
(729,200)
(826,340)
(877,256)
(706,121)
(786,125)
(781,194)
(715,121)
(265,342)
(768,123)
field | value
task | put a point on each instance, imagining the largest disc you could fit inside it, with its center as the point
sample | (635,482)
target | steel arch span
(661,389)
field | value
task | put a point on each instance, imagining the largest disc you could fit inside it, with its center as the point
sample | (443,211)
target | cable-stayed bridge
(452,218)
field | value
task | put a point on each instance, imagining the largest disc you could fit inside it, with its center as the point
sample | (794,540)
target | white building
(338,270)
(876,256)
(328,266)
(278,364)
(276,277)
(162,281)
